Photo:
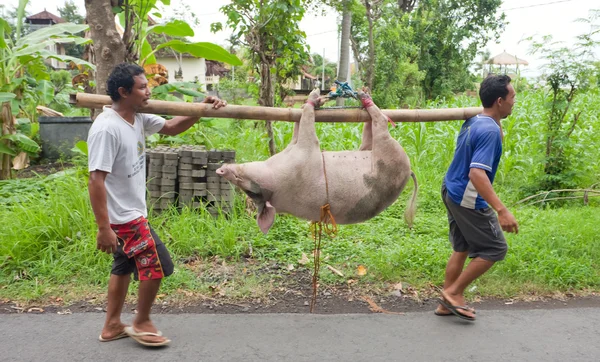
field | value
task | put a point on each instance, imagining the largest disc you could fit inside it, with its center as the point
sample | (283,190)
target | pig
(357,185)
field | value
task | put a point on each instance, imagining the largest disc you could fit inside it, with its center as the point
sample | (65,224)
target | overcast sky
(525,17)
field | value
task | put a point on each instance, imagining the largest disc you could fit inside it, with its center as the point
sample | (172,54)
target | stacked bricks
(162,175)
(189,174)
(192,175)
(220,193)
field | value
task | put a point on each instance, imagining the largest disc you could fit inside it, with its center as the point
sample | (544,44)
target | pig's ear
(265,217)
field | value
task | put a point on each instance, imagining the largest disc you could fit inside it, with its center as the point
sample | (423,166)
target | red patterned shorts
(140,251)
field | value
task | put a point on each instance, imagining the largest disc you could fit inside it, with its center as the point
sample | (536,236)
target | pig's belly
(357,191)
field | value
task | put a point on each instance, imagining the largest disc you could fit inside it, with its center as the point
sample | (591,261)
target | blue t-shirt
(479,145)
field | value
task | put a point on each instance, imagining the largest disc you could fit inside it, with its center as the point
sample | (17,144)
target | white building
(192,69)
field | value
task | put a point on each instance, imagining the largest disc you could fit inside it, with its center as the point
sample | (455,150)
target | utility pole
(323,77)
(344,55)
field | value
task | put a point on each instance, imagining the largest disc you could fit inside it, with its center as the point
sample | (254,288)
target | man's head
(498,94)
(127,84)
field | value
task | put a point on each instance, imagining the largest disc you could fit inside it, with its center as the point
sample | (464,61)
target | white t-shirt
(119,148)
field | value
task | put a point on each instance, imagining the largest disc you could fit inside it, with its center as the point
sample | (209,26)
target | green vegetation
(410,56)
(48,231)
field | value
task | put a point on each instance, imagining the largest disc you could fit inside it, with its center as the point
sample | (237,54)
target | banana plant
(133,15)
(134,18)
(25,82)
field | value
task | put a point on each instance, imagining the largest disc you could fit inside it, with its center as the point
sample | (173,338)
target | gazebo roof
(506,59)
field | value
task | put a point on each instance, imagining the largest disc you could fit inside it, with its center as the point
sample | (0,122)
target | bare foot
(112,331)
(441,310)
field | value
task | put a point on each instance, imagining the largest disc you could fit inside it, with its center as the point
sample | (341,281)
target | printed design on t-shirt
(137,166)
(140,148)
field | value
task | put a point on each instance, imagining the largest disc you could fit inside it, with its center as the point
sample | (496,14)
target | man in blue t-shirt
(467,192)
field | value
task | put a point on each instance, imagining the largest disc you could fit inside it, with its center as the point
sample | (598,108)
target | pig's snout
(220,171)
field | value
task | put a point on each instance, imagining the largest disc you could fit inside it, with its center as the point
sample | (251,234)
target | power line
(199,15)
(324,32)
(515,8)
(536,5)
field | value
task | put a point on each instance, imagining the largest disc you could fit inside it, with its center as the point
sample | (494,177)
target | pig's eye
(237,178)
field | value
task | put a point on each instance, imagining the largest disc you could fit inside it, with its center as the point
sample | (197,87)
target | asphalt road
(571,334)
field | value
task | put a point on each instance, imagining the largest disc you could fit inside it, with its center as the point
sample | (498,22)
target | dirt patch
(294,296)
(43,169)
(300,304)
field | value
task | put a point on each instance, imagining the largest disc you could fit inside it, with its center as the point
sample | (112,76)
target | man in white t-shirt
(117,187)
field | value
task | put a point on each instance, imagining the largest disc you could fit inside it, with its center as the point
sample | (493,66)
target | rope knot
(328,221)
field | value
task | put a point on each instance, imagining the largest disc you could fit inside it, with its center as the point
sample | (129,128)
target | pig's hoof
(365,98)
(363,93)
(316,93)
(315,99)
(321,101)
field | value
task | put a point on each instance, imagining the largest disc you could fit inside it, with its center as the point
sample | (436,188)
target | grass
(47,228)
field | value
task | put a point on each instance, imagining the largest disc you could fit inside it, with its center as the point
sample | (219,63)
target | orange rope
(326,223)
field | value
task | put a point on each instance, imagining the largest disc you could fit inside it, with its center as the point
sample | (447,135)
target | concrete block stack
(192,175)
(189,174)
(161,177)
(220,192)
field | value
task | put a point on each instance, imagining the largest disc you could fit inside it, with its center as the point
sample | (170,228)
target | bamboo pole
(85,100)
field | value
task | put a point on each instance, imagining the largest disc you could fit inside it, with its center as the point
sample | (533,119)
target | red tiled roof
(45,15)
(216,68)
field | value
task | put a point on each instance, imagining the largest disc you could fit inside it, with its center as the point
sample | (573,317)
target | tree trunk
(109,49)
(344,48)
(370,71)
(282,92)
(355,51)
(8,127)
(267,99)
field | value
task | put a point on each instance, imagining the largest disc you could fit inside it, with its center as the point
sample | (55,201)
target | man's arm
(484,188)
(106,238)
(176,125)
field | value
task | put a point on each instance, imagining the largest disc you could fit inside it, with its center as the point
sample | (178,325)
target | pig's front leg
(307,135)
(367,137)
(294,140)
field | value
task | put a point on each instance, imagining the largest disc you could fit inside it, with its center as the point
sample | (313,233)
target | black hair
(492,88)
(122,76)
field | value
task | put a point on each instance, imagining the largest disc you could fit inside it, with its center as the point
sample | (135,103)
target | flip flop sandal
(118,336)
(450,313)
(454,309)
(137,336)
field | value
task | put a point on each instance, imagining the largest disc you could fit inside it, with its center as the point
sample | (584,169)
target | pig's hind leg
(376,129)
